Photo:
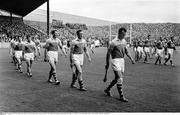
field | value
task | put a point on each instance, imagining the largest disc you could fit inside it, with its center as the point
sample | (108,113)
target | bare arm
(87,53)
(108,58)
(71,52)
(62,49)
(129,55)
(46,45)
(107,63)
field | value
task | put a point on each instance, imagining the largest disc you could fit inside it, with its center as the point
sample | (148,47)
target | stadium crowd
(10,29)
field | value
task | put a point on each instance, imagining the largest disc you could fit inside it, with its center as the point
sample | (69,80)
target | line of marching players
(30,49)
(161,48)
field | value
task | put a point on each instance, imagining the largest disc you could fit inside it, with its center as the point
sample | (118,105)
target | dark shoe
(30,74)
(57,82)
(83,89)
(49,81)
(108,93)
(20,71)
(73,86)
(123,99)
(81,86)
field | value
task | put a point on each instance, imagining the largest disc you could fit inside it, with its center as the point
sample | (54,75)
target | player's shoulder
(74,40)
(49,40)
(112,43)
(58,40)
(32,42)
(83,41)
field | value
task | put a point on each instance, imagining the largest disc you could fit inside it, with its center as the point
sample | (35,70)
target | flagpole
(130,33)
(110,32)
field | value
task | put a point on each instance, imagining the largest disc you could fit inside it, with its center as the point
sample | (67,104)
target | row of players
(161,48)
(78,47)
(117,50)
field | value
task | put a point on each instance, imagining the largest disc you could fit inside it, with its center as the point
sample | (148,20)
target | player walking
(18,50)
(51,46)
(78,48)
(29,54)
(117,50)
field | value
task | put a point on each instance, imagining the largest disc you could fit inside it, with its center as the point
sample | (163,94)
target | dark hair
(53,31)
(121,30)
(78,31)
(27,36)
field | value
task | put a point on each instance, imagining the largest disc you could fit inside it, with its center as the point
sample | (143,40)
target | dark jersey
(135,43)
(140,43)
(52,44)
(29,47)
(159,45)
(78,46)
(146,43)
(170,45)
(118,48)
(19,47)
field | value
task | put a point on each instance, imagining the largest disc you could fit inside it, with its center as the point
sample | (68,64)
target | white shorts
(78,59)
(64,46)
(159,52)
(118,64)
(18,54)
(135,49)
(29,56)
(170,51)
(52,56)
(146,49)
(92,46)
(140,49)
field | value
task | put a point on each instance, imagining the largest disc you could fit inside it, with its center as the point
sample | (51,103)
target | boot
(159,61)
(50,76)
(122,98)
(107,90)
(171,62)
(74,78)
(81,86)
(55,79)
(20,69)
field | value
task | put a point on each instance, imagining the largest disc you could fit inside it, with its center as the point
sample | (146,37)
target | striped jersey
(52,44)
(78,46)
(29,47)
(118,48)
(19,46)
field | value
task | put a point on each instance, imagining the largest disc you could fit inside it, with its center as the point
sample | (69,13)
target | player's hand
(45,59)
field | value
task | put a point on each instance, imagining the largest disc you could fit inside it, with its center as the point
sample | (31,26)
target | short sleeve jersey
(159,45)
(19,46)
(140,43)
(146,43)
(118,48)
(29,47)
(170,44)
(13,44)
(52,44)
(79,46)
(135,43)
